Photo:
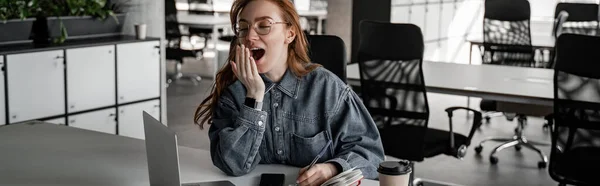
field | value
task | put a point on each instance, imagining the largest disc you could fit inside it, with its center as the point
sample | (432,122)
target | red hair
(297,59)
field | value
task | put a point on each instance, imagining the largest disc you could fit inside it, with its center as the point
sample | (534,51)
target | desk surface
(38,153)
(207,21)
(503,83)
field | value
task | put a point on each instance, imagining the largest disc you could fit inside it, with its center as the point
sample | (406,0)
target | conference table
(38,153)
(529,89)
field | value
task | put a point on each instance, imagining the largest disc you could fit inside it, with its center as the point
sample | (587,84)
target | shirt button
(260,123)
(277,129)
(279,152)
(276,105)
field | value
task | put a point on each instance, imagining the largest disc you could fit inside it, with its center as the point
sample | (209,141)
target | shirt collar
(289,84)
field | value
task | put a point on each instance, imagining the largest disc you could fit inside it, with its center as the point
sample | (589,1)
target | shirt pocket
(305,149)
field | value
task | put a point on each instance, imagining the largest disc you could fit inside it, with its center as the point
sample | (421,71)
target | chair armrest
(476,123)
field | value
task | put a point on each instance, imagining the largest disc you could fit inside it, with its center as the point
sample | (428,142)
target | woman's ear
(290,36)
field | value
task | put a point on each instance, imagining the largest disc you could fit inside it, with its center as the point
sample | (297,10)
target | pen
(319,155)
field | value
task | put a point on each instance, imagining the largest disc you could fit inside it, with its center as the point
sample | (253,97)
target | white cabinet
(57,121)
(131,123)
(2,98)
(90,78)
(101,121)
(138,71)
(36,86)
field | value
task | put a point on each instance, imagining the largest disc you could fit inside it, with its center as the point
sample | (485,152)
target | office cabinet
(57,121)
(36,86)
(138,71)
(130,117)
(2,98)
(90,78)
(101,120)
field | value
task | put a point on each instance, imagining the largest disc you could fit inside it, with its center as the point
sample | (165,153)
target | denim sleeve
(358,141)
(235,137)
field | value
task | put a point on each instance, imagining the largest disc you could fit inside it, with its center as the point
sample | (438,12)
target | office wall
(339,22)
(151,13)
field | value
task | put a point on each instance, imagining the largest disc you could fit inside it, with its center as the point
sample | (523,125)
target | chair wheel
(542,165)
(518,147)
(493,160)
(478,149)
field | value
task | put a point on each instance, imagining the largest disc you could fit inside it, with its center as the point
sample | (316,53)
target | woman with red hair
(270,104)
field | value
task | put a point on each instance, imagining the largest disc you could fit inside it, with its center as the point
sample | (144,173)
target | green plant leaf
(63,34)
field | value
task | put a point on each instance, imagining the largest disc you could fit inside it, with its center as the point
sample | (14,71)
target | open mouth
(257,53)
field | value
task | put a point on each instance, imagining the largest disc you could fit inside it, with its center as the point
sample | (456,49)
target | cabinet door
(36,85)
(101,121)
(131,123)
(2,98)
(90,78)
(138,71)
(58,121)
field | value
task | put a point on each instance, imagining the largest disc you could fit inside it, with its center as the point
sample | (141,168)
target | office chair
(329,51)
(507,35)
(506,41)
(576,16)
(579,14)
(174,50)
(575,123)
(393,90)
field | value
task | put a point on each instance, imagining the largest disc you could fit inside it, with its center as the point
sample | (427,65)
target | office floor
(513,168)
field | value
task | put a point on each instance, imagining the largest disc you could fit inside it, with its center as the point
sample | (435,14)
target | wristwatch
(252,103)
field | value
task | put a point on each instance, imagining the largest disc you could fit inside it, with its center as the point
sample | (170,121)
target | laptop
(163,156)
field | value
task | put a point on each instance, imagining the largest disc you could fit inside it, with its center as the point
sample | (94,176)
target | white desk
(503,83)
(38,153)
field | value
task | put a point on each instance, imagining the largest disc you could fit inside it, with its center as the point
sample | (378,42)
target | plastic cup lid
(394,167)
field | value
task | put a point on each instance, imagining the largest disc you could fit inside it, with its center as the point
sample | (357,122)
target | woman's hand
(316,175)
(244,68)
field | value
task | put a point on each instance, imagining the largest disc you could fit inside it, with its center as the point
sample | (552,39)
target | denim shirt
(298,118)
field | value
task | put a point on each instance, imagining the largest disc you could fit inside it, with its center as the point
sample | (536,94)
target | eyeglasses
(262,27)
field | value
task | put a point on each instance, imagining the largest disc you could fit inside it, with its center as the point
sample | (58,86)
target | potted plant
(62,19)
(16,18)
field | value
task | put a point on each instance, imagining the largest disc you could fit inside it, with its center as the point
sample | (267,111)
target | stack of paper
(350,177)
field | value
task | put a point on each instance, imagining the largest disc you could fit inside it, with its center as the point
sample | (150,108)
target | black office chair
(506,41)
(580,15)
(575,123)
(173,50)
(390,60)
(507,35)
(329,51)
